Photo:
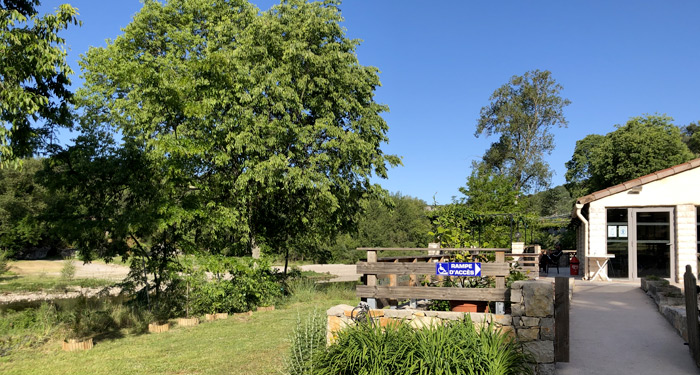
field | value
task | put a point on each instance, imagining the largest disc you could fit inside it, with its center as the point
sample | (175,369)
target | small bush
(238,285)
(4,264)
(68,270)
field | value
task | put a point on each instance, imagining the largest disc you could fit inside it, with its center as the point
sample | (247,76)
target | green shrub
(237,285)
(68,270)
(4,264)
(307,340)
(453,348)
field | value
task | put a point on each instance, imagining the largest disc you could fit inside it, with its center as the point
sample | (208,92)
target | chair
(547,260)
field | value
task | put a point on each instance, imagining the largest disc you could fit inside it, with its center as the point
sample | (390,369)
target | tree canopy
(23,210)
(522,112)
(643,145)
(691,137)
(490,192)
(237,127)
(34,94)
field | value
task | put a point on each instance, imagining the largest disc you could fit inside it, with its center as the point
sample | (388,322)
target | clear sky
(441,60)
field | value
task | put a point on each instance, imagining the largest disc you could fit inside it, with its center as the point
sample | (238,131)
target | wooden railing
(415,265)
(691,311)
(528,263)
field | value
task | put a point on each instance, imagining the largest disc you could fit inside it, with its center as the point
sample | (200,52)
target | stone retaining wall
(531,321)
(670,305)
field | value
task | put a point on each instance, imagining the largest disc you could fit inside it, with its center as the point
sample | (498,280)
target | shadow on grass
(8,278)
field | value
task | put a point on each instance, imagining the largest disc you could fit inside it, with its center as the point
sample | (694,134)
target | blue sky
(441,60)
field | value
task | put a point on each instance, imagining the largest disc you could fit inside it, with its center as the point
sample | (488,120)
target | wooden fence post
(691,313)
(561,319)
(372,279)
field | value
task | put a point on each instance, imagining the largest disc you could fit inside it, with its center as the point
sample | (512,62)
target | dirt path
(342,272)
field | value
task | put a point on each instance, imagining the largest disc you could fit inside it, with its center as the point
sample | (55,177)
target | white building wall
(686,241)
(678,191)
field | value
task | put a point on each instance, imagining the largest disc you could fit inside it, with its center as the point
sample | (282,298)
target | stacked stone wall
(531,322)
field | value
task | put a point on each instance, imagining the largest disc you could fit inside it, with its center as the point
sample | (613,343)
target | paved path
(617,329)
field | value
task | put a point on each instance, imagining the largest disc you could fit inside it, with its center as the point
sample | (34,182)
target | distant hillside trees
(402,221)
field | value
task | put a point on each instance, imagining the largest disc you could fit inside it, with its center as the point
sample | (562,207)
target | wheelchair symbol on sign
(441,270)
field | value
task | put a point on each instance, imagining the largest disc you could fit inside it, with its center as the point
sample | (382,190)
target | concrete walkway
(617,329)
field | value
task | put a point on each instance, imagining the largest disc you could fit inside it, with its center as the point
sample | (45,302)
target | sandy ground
(342,272)
(53,268)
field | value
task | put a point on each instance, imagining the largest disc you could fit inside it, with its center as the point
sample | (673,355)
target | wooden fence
(691,312)
(416,265)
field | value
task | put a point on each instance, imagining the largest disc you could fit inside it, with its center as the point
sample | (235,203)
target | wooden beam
(487,269)
(500,279)
(466,249)
(421,292)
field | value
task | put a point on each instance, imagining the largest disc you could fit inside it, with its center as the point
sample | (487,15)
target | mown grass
(254,344)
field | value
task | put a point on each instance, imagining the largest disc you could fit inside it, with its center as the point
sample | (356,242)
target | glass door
(618,241)
(652,242)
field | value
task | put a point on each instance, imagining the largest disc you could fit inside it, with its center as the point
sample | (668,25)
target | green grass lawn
(254,344)
(18,283)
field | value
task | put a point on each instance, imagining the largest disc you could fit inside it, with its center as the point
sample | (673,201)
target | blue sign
(458,269)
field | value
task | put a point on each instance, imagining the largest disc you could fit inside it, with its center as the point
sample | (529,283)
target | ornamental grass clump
(453,348)
(307,340)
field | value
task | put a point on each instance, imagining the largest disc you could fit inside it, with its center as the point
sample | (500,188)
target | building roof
(676,169)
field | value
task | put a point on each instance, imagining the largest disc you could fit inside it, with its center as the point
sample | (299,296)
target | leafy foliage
(453,348)
(691,137)
(643,145)
(237,284)
(521,112)
(34,98)
(459,225)
(23,205)
(488,191)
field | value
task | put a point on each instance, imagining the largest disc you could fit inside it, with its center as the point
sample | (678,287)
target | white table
(598,258)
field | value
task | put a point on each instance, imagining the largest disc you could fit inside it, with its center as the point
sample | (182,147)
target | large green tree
(643,145)
(521,113)
(260,127)
(34,77)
